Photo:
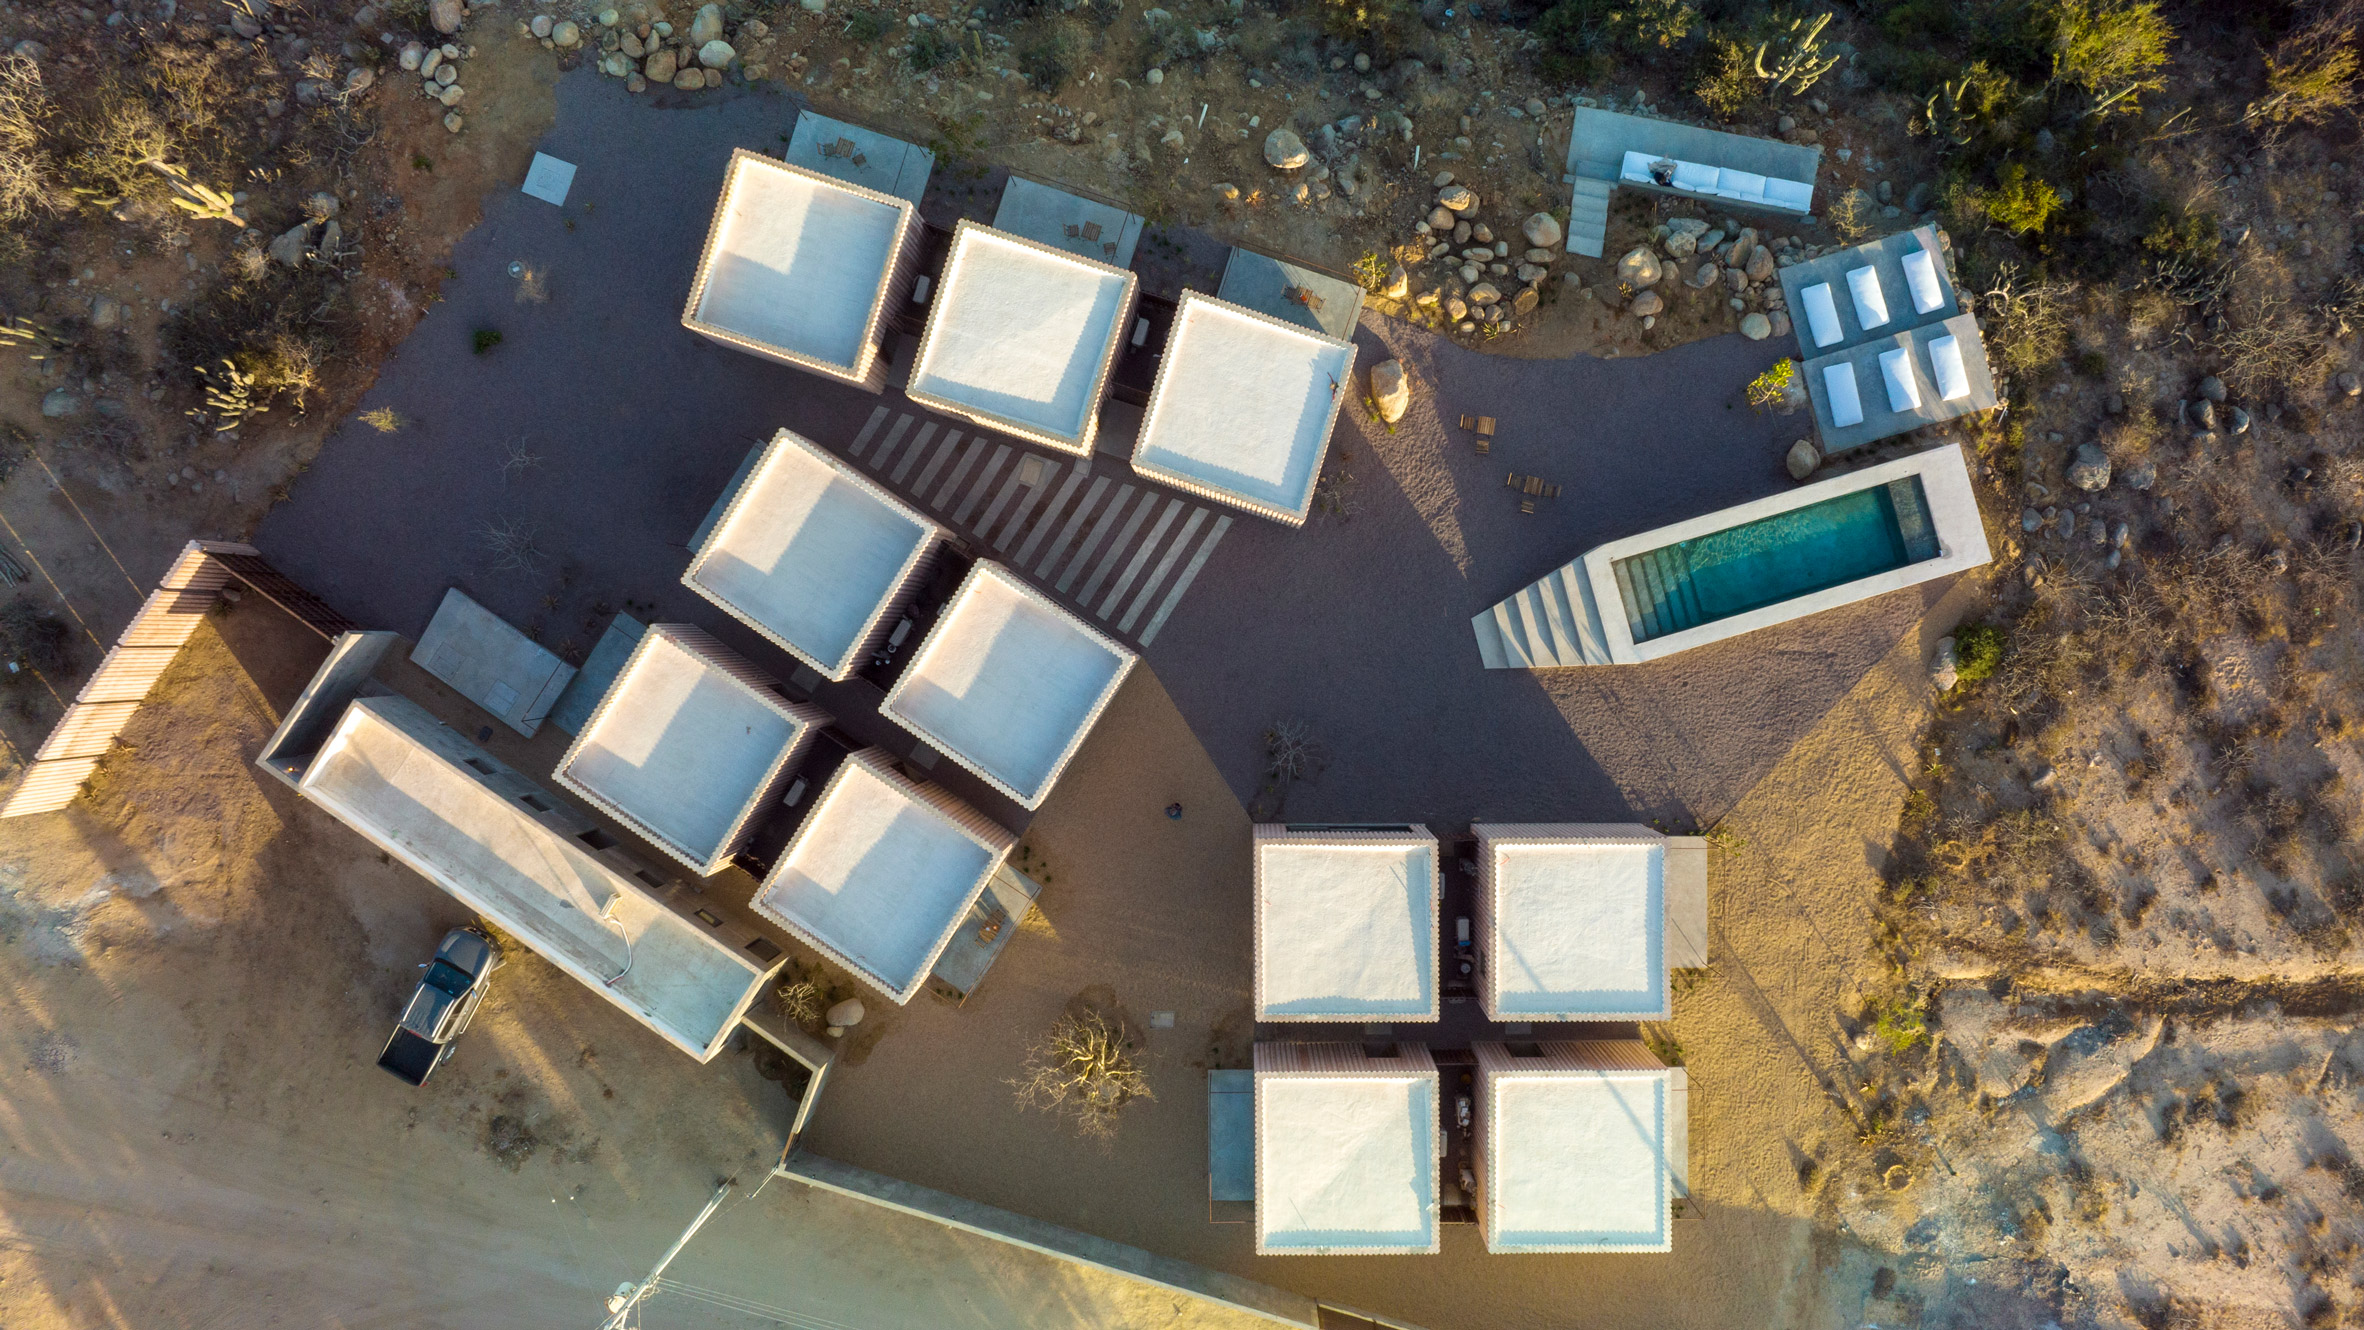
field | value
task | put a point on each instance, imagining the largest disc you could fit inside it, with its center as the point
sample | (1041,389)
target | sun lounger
(1822,315)
(1920,277)
(1871,303)
(1896,366)
(1946,368)
(1846,405)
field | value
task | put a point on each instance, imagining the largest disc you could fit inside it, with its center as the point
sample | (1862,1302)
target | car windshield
(448,977)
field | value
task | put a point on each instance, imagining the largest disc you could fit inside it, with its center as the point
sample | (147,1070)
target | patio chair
(1483,428)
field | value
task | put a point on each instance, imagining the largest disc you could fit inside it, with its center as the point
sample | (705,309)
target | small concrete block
(550,179)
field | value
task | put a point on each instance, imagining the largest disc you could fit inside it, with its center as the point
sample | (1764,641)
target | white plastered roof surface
(798,262)
(1346,931)
(1244,405)
(1021,331)
(679,745)
(1007,683)
(1578,1161)
(879,876)
(808,553)
(545,887)
(1346,1162)
(1579,930)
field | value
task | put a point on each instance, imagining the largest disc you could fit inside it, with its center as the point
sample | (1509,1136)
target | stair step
(1589,188)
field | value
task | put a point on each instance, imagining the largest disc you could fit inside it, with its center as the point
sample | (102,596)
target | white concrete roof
(1007,683)
(1579,929)
(380,773)
(1578,1161)
(1022,337)
(877,878)
(1346,927)
(811,554)
(1346,1163)
(1243,408)
(682,749)
(798,263)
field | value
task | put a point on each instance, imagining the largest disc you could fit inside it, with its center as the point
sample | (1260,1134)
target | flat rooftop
(797,265)
(382,772)
(1578,1158)
(1292,292)
(1346,925)
(1021,337)
(1574,922)
(1875,413)
(1886,259)
(810,553)
(861,156)
(1346,1163)
(879,874)
(1007,683)
(1066,220)
(686,745)
(1243,408)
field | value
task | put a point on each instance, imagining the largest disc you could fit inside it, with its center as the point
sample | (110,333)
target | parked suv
(446,1000)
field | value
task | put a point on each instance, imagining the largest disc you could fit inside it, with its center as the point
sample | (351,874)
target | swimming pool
(1777,558)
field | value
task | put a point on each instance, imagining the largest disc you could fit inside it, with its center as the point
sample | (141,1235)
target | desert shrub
(1047,63)
(802,1001)
(1384,24)
(1727,85)
(2311,72)
(484,339)
(1771,388)
(1083,1070)
(1579,36)
(2112,50)
(26,186)
(863,26)
(2020,201)
(931,48)
(1978,649)
(1901,1023)
(33,635)
(2181,234)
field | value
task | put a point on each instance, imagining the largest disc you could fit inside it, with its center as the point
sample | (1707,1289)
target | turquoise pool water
(1776,558)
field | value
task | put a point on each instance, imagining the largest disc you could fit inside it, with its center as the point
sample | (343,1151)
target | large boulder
(1945,668)
(1639,269)
(1391,388)
(1803,459)
(661,65)
(1398,283)
(1285,151)
(1484,293)
(707,26)
(1458,198)
(1542,230)
(717,54)
(446,15)
(1682,236)
(2089,470)
(1646,304)
(1756,327)
(2212,388)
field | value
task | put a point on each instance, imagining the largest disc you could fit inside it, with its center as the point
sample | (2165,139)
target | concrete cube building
(1346,923)
(881,872)
(689,743)
(1022,337)
(1572,919)
(1008,684)
(1243,407)
(1583,1146)
(814,555)
(802,269)
(1347,1150)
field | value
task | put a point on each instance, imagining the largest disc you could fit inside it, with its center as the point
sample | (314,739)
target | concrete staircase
(1658,593)
(1588,210)
(1552,623)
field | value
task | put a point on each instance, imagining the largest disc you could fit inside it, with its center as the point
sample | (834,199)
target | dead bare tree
(512,545)
(1083,1070)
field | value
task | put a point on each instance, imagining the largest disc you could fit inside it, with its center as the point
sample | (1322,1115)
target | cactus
(1802,61)
(231,398)
(1944,117)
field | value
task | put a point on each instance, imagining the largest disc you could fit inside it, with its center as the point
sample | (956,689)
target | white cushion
(1637,166)
(1795,194)
(1945,366)
(1740,184)
(1897,368)
(1838,392)
(1871,303)
(1920,276)
(1822,315)
(1694,177)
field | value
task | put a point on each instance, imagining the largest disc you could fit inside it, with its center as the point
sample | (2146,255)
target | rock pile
(1482,281)
(438,68)
(641,45)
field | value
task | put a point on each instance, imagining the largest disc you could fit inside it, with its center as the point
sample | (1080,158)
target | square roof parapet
(1008,683)
(881,873)
(514,853)
(1571,922)
(814,555)
(1347,1150)
(1022,337)
(799,268)
(688,745)
(846,151)
(1346,924)
(1885,257)
(1586,1146)
(1879,417)
(1063,219)
(1292,292)
(1243,408)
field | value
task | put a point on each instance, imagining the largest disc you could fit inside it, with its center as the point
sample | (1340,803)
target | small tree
(2113,49)
(1770,390)
(2311,72)
(1083,1070)
(2021,201)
